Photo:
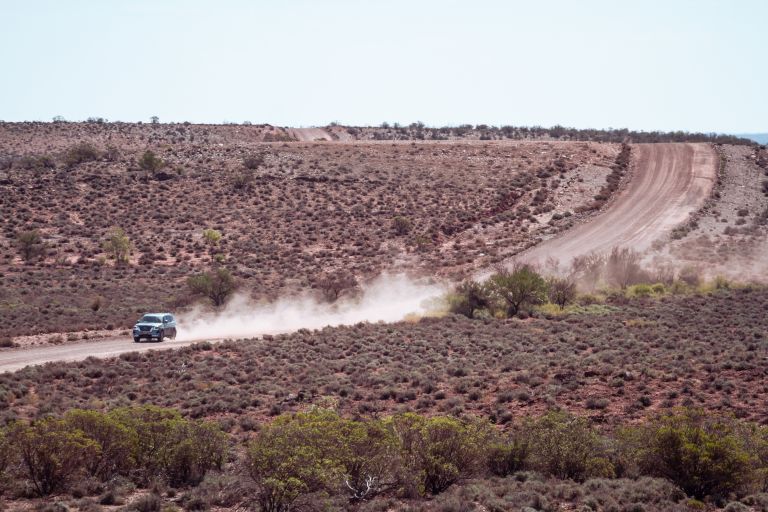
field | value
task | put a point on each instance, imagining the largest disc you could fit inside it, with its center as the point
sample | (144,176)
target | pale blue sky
(691,65)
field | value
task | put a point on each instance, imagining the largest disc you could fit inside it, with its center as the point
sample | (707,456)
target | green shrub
(640,290)
(438,452)
(291,458)
(212,237)
(509,456)
(167,445)
(115,441)
(566,446)
(318,451)
(52,453)
(706,455)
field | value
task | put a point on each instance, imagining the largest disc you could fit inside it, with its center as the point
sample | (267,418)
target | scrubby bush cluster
(319,457)
(315,455)
(510,292)
(52,454)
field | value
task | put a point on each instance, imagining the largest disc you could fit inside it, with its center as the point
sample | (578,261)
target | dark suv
(155,326)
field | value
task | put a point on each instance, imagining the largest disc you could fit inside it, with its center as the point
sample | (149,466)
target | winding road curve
(669,182)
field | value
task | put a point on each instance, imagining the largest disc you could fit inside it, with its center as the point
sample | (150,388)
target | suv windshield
(151,319)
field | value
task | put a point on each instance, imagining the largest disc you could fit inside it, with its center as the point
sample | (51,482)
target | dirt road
(669,182)
(310,134)
(15,359)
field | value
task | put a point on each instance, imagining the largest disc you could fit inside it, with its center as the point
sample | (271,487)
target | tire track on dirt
(668,183)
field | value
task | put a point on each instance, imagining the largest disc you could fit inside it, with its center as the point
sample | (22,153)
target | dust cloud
(389,298)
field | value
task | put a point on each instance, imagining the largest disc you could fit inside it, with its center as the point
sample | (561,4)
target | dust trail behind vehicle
(389,298)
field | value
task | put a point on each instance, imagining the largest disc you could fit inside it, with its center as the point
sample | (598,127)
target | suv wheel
(161,336)
(136,339)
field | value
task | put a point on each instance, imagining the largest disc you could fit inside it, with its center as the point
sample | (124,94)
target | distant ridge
(760,138)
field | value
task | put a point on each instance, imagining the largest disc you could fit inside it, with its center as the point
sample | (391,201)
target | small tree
(518,288)
(118,245)
(561,291)
(217,286)
(154,120)
(291,458)
(30,245)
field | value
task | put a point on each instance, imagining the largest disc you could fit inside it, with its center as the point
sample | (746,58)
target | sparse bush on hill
(254,161)
(150,162)
(118,246)
(217,285)
(212,237)
(243,180)
(81,153)
(402,225)
(30,245)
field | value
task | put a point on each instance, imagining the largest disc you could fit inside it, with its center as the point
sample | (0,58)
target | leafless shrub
(335,283)
(562,291)
(623,268)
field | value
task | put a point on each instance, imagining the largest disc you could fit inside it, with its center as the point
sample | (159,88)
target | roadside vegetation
(319,460)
